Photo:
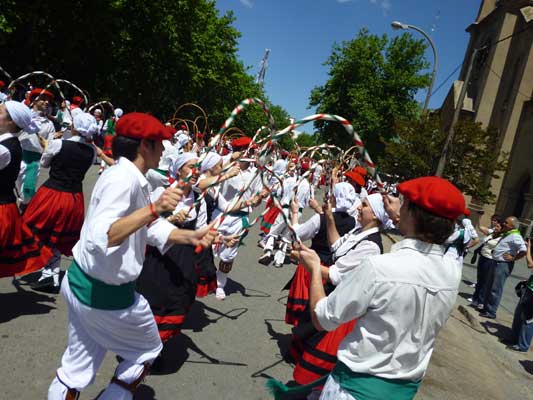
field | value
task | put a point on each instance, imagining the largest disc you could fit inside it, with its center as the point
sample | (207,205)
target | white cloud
(247,3)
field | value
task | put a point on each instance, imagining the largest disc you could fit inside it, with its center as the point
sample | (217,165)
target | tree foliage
(141,55)
(372,82)
(415,152)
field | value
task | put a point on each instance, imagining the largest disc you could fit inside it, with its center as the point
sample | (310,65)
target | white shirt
(231,188)
(402,300)
(54,147)
(349,251)
(470,228)
(5,154)
(309,228)
(30,141)
(120,191)
(303,194)
(452,250)
(512,244)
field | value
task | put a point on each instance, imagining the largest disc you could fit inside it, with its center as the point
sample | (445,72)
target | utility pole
(456,114)
(260,78)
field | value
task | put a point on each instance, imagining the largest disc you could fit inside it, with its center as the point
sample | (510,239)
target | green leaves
(418,144)
(373,81)
(141,55)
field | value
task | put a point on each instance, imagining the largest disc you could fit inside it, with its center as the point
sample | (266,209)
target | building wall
(501,84)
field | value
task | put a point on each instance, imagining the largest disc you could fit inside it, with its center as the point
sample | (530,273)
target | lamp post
(399,25)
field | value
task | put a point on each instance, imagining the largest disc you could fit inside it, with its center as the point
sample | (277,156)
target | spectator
(523,315)
(510,248)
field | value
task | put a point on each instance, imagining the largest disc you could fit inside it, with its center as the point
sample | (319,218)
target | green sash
(97,294)
(369,387)
(29,186)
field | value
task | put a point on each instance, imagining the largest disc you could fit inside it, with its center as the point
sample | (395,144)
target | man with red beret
(32,144)
(105,312)
(401,299)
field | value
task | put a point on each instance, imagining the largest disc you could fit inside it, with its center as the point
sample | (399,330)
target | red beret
(241,143)
(2,84)
(435,195)
(355,177)
(77,100)
(360,170)
(200,135)
(137,125)
(171,130)
(183,127)
(305,165)
(37,92)
(284,153)
(466,212)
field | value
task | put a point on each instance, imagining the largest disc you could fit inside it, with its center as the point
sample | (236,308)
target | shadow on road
(235,287)
(197,317)
(144,392)
(176,352)
(498,330)
(24,302)
(528,365)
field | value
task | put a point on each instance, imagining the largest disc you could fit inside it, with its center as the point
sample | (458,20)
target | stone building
(499,95)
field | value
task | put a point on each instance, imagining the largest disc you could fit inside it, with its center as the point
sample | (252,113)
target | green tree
(140,55)
(418,143)
(372,82)
(306,140)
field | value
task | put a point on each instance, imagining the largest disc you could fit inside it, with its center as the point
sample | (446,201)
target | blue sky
(300,34)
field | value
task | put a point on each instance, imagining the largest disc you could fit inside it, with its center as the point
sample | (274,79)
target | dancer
(105,312)
(20,251)
(56,212)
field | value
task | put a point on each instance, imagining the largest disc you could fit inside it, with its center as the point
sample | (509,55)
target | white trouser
(333,391)
(130,333)
(222,279)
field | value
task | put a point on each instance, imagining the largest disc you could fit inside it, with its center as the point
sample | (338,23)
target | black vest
(9,174)
(344,223)
(69,166)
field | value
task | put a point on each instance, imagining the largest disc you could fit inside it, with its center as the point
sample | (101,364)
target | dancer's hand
(168,200)
(233,171)
(313,203)
(295,207)
(392,207)
(180,217)
(231,241)
(306,256)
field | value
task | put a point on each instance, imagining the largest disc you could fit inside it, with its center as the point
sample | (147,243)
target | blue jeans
(496,278)
(522,332)
(483,267)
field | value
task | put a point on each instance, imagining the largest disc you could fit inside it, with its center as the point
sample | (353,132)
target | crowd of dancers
(163,227)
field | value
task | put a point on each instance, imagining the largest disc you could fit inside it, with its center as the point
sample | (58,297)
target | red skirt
(269,217)
(108,145)
(20,251)
(56,218)
(320,354)
(298,296)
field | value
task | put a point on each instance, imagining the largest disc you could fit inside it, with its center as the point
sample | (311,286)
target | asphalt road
(226,351)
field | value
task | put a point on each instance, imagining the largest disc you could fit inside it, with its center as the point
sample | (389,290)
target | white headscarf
(376,203)
(181,160)
(182,139)
(345,196)
(118,113)
(85,124)
(211,159)
(21,116)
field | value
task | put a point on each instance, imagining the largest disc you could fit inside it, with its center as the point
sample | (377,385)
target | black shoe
(515,348)
(44,283)
(266,259)
(485,314)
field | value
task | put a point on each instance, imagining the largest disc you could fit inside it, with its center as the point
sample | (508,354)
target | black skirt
(168,282)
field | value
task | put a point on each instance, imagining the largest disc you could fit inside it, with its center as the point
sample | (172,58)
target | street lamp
(399,25)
